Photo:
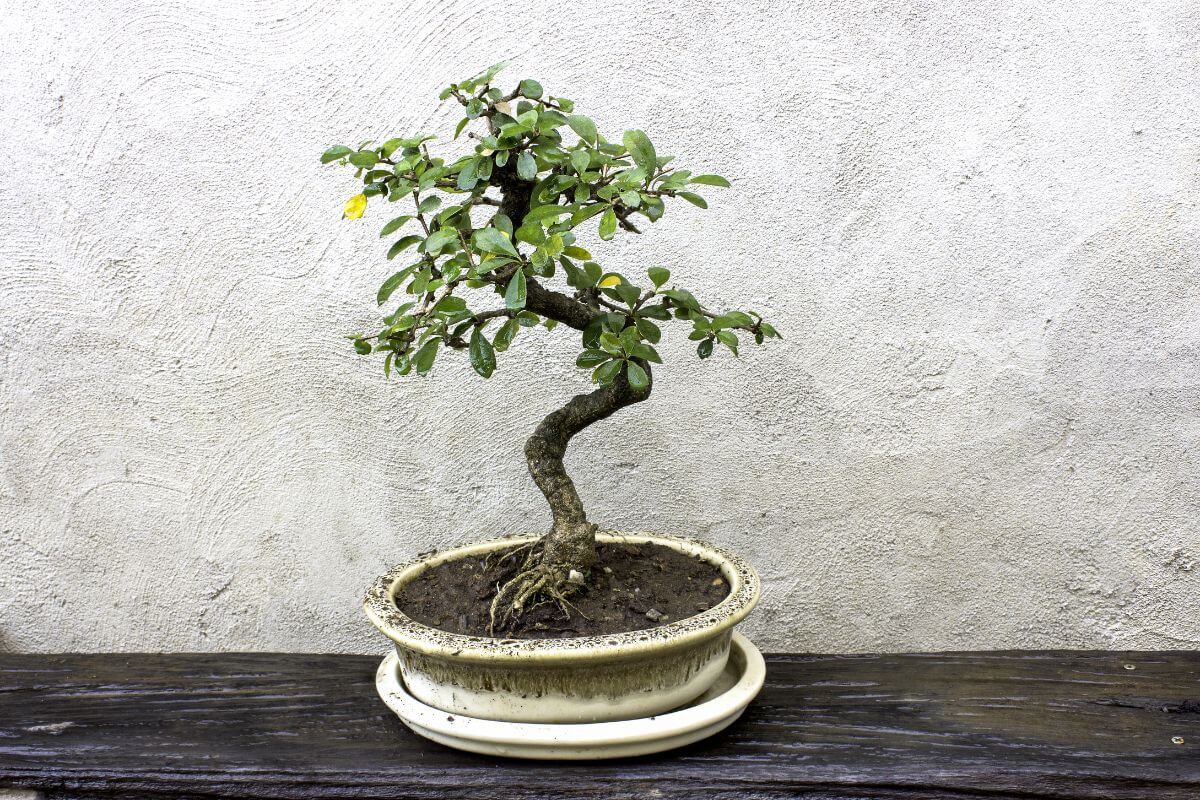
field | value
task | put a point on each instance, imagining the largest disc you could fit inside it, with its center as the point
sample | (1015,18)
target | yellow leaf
(355,206)
(609,281)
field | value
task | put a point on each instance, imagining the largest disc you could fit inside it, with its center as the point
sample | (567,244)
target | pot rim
(744,589)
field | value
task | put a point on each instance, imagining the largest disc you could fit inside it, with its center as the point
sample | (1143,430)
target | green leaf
(466,176)
(592,333)
(683,298)
(594,272)
(610,343)
(694,199)
(451,305)
(646,353)
(584,128)
(591,358)
(487,75)
(638,379)
(389,286)
(608,224)
(628,293)
(551,211)
(425,357)
(657,311)
(526,166)
(462,123)
(733,319)
(607,372)
(710,180)
(429,204)
(553,246)
(447,214)
(484,171)
(392,318)
(630,338)
(580,161)
(530,233)
(528,119)
(362,347)
(492,240)
(364,158)
(649,331)
(394,225)
(729,339)
(438,240)
(586,213)
(505,335)
(553,119)
(335,152)
(483,355)
(658,275)
(642,151)
(653,207)
(530,88)
(514,295)
(401,245)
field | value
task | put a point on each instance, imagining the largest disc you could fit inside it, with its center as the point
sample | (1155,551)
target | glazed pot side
(585,679)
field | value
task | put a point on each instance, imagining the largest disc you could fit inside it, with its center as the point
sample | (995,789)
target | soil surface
(632,587)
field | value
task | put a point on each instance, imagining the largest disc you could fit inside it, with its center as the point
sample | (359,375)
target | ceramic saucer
(713,711)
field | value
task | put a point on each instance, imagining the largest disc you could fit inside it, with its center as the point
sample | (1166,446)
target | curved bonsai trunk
(571,541)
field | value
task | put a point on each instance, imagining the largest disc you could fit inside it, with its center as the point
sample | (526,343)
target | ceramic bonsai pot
(586,679)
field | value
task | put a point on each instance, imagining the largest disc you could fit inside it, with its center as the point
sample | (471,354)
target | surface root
(534,584)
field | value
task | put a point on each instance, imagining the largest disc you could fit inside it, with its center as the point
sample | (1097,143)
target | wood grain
(993,725)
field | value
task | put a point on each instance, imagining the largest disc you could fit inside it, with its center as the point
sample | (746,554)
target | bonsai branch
(558,306)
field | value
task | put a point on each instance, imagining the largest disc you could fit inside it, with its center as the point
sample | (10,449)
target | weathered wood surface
(994,725)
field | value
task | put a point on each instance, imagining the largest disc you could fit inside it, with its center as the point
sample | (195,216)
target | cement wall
(975,223)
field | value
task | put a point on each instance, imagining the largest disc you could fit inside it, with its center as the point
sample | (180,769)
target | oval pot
(584,679)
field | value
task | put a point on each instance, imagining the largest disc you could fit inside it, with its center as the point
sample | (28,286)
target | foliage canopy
(485,232)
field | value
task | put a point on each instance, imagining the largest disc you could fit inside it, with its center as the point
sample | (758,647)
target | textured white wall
(976,224)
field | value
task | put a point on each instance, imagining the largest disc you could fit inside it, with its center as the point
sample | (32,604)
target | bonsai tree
(494,236)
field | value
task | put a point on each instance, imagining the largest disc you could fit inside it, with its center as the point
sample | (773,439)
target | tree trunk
(571,542)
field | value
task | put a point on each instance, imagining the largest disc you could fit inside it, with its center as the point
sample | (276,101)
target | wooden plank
(995,725)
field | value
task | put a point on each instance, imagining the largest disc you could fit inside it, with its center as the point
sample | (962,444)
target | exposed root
(563,601)
(534,584)
(505,555)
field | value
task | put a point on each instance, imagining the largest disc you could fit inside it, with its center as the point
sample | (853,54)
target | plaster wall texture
(975,223)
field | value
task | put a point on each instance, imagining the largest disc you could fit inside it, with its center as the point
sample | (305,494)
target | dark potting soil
(632,587)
